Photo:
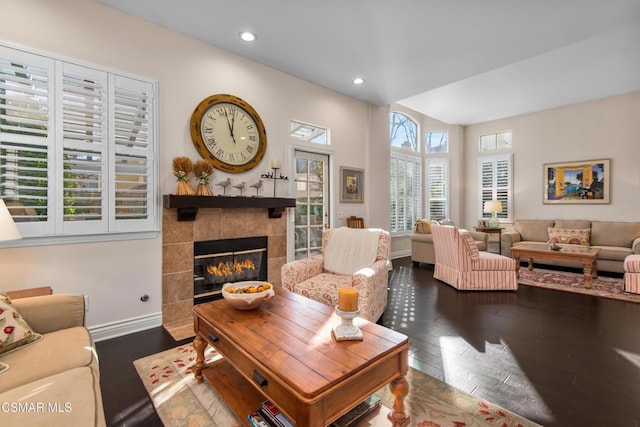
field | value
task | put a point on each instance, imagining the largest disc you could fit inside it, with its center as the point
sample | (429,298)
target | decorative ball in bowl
(247,295)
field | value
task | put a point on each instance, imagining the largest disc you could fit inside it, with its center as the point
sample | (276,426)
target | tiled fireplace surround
(210,224)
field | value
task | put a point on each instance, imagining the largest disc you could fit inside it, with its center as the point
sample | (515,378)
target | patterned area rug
(607,287)
(181,401)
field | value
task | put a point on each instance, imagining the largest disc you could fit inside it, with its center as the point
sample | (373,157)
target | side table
(490,230)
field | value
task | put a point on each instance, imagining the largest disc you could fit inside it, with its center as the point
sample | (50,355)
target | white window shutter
(132,154)
(26,139)
(438,188)
(82,128)
(496,183)
(406,191)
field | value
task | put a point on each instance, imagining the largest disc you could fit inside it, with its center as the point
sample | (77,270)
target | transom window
(496,141)
(309,133)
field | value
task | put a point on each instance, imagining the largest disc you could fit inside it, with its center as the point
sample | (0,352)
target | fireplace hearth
(217,262)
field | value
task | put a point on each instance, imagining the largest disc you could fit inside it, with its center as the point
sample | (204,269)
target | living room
(116,275)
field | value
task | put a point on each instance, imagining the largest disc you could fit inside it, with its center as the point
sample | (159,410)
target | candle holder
(346,330)
(274,176)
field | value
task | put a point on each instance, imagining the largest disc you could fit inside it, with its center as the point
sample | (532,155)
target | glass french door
(311,188)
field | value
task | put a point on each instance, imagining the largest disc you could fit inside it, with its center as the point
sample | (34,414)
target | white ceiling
(459,61)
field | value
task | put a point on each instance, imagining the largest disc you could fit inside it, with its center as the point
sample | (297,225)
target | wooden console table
(283,351)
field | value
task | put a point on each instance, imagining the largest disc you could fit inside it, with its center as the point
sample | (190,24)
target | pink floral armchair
(460,264)
(308,277)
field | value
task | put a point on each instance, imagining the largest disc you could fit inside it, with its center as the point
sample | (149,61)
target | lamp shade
(493,206)
(8,229)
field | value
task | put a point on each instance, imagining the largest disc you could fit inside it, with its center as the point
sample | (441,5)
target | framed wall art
(581,182)
(351,185)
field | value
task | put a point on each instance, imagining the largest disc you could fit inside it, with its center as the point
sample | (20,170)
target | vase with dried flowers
(203,170)
(182,167)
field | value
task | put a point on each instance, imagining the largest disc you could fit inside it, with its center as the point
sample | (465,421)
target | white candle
(275,164)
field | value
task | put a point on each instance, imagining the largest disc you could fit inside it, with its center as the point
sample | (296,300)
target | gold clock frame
(196,134)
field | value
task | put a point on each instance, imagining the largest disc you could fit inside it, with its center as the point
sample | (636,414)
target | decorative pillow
(14,331)
(423,226)
(569,236)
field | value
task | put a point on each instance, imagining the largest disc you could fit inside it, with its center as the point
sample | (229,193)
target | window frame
(495,188)
(54,230)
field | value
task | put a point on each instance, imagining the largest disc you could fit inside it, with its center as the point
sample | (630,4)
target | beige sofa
(422,244)
(616,240)
(54,381)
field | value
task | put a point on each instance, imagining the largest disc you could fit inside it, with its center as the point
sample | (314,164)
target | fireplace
(216,262)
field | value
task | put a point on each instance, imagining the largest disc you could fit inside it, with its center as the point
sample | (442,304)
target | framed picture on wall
(581,182)
(351,185)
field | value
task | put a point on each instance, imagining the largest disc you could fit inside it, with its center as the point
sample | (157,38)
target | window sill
(88,238)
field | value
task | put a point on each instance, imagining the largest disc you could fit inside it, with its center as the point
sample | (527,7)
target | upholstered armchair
(460,264)
(319,278)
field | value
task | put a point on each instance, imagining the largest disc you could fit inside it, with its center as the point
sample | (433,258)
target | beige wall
(606,128)
(116,274)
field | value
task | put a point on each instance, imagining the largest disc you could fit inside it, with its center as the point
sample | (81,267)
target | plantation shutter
(496,183)
(83,127)
(406,190)
(26,139)
(132,154)
(437,188)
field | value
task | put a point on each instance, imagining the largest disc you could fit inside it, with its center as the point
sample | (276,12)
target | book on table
(257,419)
(360,411)
(274,417)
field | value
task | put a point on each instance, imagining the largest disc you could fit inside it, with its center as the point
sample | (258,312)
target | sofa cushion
(573,223)
(605,233)
(14,331)
(70,398)
(612,253)
(569,236)
(534,230)
(57,352)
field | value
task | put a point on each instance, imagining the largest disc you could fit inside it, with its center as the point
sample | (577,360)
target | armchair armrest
(508,239)
(51,313)
(298,271)
(480,236)
(635,246)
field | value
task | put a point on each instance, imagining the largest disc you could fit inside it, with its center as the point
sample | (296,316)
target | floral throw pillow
(14,331)
(569,236)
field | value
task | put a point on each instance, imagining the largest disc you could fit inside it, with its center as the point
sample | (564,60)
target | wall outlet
(86,303)
(340,215)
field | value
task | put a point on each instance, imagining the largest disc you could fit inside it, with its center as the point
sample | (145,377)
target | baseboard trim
(124,327)
(401,254)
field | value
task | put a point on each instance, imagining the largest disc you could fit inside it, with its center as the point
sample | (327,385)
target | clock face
(228,133)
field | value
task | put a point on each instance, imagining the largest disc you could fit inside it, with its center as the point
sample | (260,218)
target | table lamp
(493,207)
(8,229)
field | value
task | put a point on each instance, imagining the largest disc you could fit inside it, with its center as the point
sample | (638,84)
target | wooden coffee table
(283,351)
(587,256)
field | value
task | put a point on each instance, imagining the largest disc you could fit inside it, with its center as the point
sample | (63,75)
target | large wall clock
(228,133)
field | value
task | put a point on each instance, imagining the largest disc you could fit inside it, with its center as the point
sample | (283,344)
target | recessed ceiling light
(358,81)
(247,36)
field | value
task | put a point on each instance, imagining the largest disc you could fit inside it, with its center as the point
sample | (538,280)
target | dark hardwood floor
(556,358)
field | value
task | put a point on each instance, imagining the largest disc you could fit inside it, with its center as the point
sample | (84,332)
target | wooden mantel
(187,206)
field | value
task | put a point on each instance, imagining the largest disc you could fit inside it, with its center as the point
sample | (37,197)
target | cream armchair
(460,264)
(310,278)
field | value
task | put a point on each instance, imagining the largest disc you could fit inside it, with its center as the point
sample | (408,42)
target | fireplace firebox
(217,262)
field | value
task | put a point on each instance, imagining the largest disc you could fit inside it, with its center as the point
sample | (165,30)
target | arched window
(406,173)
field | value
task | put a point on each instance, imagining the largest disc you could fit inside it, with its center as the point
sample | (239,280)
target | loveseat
(422,241)
(53,381)
(616,240)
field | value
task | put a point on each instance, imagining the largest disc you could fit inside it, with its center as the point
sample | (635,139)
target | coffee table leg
(594,272)
(199,344)
(587,275)
(530,264)
(399,388)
